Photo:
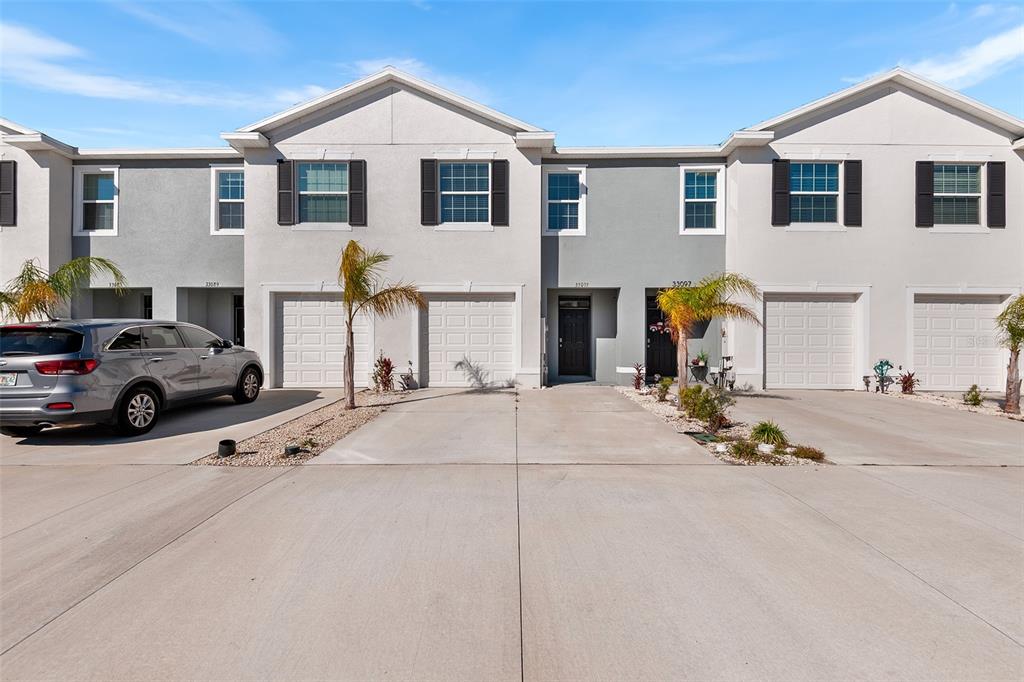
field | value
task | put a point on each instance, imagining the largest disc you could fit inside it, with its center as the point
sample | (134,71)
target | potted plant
(699,366)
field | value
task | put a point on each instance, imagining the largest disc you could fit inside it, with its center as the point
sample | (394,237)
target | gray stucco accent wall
(632,244)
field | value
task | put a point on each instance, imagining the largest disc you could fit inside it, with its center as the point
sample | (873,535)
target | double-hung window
(465,192)
(814,192)
(703,208)
(96,189)
(228,214)
(565,200)
(957,194)
(323,192)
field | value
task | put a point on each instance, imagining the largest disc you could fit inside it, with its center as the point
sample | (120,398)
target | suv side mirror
(226,344)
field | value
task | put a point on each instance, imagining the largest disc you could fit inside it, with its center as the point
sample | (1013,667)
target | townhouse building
(885,220)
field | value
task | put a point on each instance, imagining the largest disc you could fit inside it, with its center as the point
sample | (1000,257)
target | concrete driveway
(181,436)
(425,554)
(857,427)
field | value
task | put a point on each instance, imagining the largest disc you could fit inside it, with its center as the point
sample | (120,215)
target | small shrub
(973,396)
(807,452)
(747,451)
(638,376)
(707,405)
(688,398)
(383,374)
(768,432)
(661,388)
(908,382)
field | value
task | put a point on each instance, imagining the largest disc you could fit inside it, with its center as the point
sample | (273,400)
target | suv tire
(138,411)
(248,387)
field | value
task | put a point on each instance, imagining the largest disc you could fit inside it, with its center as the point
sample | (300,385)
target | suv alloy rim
(249,386)
(141,410)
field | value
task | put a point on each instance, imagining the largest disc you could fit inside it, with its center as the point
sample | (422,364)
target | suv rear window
(16,341)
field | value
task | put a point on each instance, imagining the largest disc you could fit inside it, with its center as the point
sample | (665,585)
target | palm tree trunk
(1013,380)
(350,366)
(682,360)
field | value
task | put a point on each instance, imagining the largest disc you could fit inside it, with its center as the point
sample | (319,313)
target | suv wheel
(138,411)
(248,388)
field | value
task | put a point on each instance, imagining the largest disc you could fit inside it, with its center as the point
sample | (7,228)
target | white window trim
(719,170)
(838,225)
(982,225)
(314,227)
(215,170)
(465,227)
(581,221)
(79,194)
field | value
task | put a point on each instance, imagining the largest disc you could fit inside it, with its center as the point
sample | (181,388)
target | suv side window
(161,338)
(199,338)
(129,339)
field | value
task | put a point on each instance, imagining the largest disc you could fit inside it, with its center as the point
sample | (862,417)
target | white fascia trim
(862,322)
(959,289)
(271,289)
(544,141)
(475,288)
(388,75)
(216,168)
(1018,144)
(720,200)
(245,140)
(941,93)
(580,231)
(181,153)
(79,193)
(39,142)
(22,130)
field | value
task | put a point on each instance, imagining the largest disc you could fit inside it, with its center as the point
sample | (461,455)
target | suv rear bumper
(36,416)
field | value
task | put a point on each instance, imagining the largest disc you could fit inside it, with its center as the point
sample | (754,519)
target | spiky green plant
(36,292)
(1011,332)
(359,274)
(768,432)
(708,299)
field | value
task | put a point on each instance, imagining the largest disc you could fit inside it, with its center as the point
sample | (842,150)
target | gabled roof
(388,75)
(1012,125)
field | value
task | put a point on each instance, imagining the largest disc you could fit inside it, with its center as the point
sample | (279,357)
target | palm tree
(34,291)
(1011,328)
(704,301)
(359,275)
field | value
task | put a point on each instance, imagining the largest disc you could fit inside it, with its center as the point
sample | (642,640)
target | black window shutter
(780,192)
(357,193)
(852,183)
(428,192)
(924,180)
(996,171)
(285,192)
(499,192)
(8,193)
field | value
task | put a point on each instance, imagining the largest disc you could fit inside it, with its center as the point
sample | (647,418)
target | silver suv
(123,372)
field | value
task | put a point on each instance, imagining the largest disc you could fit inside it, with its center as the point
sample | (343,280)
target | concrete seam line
(938,502)
(889,558)
(92,499)
(519,539)
(151,554)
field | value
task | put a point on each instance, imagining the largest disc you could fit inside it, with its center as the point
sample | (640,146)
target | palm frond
(66,279)
(708,299)
(392,300)
(1010,323)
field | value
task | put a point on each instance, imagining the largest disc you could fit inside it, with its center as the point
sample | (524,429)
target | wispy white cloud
(969,65)
(208,24)
(982,11)
(972,65)
(290,96)
(416,67)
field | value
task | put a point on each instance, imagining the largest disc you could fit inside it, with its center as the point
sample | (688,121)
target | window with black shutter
(8,193)
(285,192)
(852,189)
(780,192)
(996,201)
(428,192)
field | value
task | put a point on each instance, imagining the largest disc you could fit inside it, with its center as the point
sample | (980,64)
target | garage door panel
(955,342)
(475,327)
(311,338)
(809,341)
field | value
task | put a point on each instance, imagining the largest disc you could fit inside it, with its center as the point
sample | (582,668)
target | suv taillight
(52,367)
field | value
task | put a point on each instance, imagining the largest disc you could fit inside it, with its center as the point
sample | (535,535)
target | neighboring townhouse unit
(882,221)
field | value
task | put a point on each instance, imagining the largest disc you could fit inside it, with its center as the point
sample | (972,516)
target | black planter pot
(226,448)
(699,372)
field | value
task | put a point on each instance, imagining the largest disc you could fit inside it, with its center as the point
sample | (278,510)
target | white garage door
(955,342)
(809,341)
(311,341)
(470,339)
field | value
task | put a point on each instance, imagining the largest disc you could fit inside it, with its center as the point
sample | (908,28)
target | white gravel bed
(736,430)
(989,406)
(314,432)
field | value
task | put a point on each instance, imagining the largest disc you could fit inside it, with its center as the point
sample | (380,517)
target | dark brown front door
(661,352)
(574,337)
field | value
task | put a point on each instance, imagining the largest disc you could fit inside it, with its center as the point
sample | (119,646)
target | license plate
(8,378)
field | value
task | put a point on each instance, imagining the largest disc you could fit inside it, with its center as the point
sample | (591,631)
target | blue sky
(120,74)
